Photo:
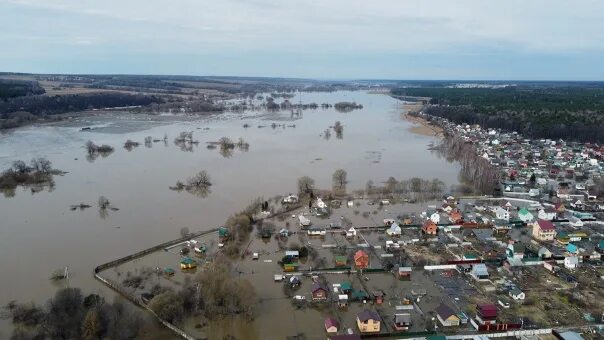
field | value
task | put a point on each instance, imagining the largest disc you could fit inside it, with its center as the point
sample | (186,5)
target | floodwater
(40,234)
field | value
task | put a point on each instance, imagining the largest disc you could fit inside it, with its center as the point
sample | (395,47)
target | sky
(324,39)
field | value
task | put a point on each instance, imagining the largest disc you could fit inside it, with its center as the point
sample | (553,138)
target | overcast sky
(334,39)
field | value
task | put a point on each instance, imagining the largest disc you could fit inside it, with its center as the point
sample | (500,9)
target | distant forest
(571,113)
(24,101)
(17,88)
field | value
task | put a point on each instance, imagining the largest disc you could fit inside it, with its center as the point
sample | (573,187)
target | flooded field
(418,296)
(40,234)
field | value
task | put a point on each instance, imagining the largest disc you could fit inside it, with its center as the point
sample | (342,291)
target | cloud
(321,28)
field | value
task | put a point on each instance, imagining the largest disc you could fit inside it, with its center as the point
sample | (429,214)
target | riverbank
(422,126)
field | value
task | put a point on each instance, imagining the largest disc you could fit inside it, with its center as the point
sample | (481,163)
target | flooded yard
(40,234)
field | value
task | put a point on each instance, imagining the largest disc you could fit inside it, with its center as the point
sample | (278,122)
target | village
(526,260)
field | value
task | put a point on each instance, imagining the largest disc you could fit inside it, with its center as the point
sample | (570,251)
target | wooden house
(331,325)
(402,321)
(429,227)
(188,263)
(318,292)
(368,322)
(446,316)
(361,259)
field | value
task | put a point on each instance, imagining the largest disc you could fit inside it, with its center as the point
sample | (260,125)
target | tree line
(17,88)
(572,113)
(38,105)
(71,315)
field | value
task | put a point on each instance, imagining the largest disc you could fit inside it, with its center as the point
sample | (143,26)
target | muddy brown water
(39,233)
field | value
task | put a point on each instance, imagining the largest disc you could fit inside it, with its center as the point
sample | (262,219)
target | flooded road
(40,234)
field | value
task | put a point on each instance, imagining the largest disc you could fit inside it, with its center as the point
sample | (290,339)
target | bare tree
(305,185)
(339,180)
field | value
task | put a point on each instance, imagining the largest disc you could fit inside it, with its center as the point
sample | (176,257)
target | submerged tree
(306,185)
(339,181)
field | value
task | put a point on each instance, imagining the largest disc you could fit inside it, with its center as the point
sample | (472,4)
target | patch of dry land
(420,125)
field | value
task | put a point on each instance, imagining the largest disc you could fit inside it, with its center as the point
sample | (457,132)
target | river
(40,234)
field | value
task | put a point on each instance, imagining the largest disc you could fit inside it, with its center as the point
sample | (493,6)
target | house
(446,316)
(331,325)
(571,262)
(342,300)
(223,234)
(303,221)
(516,294)
(294,281)
(188,263)
(404,273)
(544,230)
(600,247)
(316,231)
(318,292)
(575,222)
(290,199)
(394,230)
(321,204)
(346,287)
(515,250)
(435,217)
(546,214)
(534,192)
(368,322)
(486,314)
(402,321)
(544,253)
(480,272)
(525,216)
(429,227)
(284,232)
(350,233)
(572,249)
(361,259)
(560,209)
(294,254)
(501,213)
(378,297)
(446,208)
(455,217)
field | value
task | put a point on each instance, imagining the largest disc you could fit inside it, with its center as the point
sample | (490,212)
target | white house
(289,199)
(394,230)
(321,204)
(546,215)
(501,213)
(351,232)
(571,262)
(575,222)
(480,272)
(534,192)
(304,222)
(517,294)
(435,217)
(525,216)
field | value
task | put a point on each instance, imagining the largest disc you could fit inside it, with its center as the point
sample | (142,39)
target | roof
(331,322)
(546,225)
(346,285)
(480,269)
(444,311)
(571,248)
(524,211)
(359,254)
(368,315)
(487,310)
(515,291)
(570,335)
(402,318)
(317,286)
